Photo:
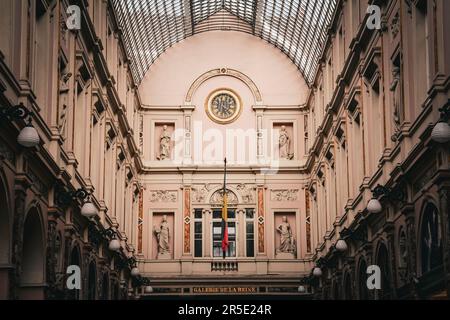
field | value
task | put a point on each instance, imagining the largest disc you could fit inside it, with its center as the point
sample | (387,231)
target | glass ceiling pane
(297,27)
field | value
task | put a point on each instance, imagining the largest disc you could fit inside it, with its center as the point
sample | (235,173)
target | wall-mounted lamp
(317,271)
(303,287)
(114,243)
(133,266)
(441,130)
(28,136)
(341,245)
(64,198)
(393,195)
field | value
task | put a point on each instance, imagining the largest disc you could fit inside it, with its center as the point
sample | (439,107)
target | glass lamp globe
(374,206)
(317,272)
(114,245)
(341,245)
(441,132)
(135,272)
(28,137)
(148,289)
(88,210)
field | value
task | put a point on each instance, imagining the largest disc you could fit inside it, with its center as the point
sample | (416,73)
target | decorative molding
(7,153)
(261,214)
(211,193)
(284,195)
(140,220)
(223,72)
(163,196)
(217,198)
(187,226)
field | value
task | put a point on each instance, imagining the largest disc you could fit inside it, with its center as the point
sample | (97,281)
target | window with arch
(348,290)
(383,263)
(430,239)
(362,281)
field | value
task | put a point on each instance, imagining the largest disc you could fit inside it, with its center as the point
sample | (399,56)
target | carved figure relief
(395,89)
(164,144)
(63,92)
(162,233)
(284,195)
(285,144)
(163,196)
(287,240)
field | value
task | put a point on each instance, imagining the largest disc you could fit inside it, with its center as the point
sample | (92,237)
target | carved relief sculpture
(164,145)
(163,196)
(63,92)
(287,240)
(162,233)
(285,144)
(246,193)
(395,89)
(284,195)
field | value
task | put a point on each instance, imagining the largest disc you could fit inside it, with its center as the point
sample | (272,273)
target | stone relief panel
(163,196)
(284,195)
(201,194)
(217,198)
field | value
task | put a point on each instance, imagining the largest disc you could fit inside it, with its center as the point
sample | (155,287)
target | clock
(223,106)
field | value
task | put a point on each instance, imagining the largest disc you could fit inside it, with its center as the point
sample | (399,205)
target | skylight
(297,27)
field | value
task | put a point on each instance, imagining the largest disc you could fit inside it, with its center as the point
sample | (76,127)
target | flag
(225,215)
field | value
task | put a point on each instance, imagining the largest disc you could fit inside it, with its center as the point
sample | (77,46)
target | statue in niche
(164,144)
(395,89)
(287,240)
(285,144)
(63,92)
(162,233)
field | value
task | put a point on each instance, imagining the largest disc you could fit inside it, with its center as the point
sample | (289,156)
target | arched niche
(430,239)
(216,197)
(92,281)
(5,239)
(32,276)
(382,261)
(223,72)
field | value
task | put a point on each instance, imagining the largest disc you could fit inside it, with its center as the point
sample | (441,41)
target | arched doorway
(92,281)
(363,293)
(335,290)
(383,262)
(430,240)
(5,242)
(33,258)
(348,291)
(75,260)
(105,287)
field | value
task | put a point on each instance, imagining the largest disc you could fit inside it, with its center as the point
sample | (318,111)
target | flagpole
(225,211)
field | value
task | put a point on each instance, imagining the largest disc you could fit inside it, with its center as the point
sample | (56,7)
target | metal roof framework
(297,27)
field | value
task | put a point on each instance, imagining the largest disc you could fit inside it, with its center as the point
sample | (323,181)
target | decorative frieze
(284,195)
(163,196)
(240,194)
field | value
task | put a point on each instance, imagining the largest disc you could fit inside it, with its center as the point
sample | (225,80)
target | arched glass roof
(297,27)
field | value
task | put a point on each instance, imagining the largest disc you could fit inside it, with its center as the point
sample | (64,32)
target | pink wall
(169,78)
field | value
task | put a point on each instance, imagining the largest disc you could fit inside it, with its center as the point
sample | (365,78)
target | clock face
(223,106)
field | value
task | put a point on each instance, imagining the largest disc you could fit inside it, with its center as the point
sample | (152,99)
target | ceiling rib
(297,27)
